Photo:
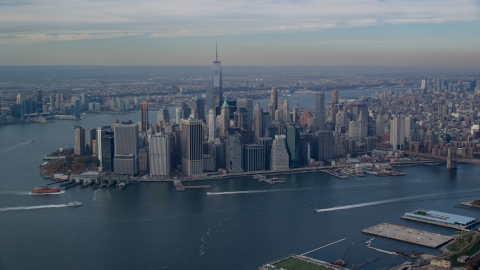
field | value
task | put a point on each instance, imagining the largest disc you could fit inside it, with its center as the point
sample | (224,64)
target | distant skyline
(419,33)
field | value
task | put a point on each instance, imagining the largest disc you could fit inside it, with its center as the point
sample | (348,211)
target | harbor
(409,235)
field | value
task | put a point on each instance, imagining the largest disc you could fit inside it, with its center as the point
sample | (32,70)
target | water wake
(14,146)
(33,207)
(259,191)
(365,204)
(6,192)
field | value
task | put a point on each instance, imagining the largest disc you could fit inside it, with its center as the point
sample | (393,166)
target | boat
(30,141)
(340,262)
(45,190)
(74,203)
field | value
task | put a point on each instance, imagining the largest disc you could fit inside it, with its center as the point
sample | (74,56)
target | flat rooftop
(442,217)
(409,235)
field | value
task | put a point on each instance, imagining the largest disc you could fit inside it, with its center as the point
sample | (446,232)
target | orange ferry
(45,190)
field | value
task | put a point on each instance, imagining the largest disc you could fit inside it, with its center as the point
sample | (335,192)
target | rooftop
(441,217)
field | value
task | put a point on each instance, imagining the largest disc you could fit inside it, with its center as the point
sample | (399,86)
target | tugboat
(45,190)
(341,262)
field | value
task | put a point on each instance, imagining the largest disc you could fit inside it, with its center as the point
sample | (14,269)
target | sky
(420,33)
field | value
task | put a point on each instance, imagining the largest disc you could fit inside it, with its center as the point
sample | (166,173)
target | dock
(360,265)
(178,185)
(336,174)
(72,185)
(271,181)
(58,182)
(409,235)
(197,187)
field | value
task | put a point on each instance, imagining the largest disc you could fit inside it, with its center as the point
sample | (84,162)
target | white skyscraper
(397,132)
(160,155)
(279,158)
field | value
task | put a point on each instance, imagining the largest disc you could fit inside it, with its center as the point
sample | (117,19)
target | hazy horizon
(425,33)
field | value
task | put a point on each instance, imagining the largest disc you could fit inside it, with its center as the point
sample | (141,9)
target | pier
(409,235)
(336,174)
(70,185)
(358,266)
(271,181)
(323,247)
(178,185)
(197,187)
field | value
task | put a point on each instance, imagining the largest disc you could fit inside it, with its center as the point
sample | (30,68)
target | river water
(242,226)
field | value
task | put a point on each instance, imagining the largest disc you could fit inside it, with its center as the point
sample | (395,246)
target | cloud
(24,21)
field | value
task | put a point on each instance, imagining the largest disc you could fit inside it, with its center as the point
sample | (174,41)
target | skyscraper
(380,123)
(212,125)
(144,126)
(233,151)
(293,146)
(163,115)
(334,97)
(215,94)
(247,104)
(160,155)
(423,85)
(319,111)
(397,132)
(267,147)
(325,144)
(225,119)
(79,148)
(286,111)
(273,105)
(258,123)
(358,129)
(198,108)
(107,143)
(359,109)
(253,157)
(126,149)
(279,158)
(191,141)
(409,127)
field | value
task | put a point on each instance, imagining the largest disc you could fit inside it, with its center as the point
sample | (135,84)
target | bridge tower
(451,162)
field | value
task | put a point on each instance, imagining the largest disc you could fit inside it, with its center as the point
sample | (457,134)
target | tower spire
(216,52)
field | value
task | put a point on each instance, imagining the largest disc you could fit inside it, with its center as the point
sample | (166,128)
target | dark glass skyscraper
(144,117)
(293,146)
(319,123)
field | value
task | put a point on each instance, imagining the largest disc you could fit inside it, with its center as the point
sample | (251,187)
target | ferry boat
(45,190)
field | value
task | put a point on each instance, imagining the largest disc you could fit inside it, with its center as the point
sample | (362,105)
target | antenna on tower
(216,52)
